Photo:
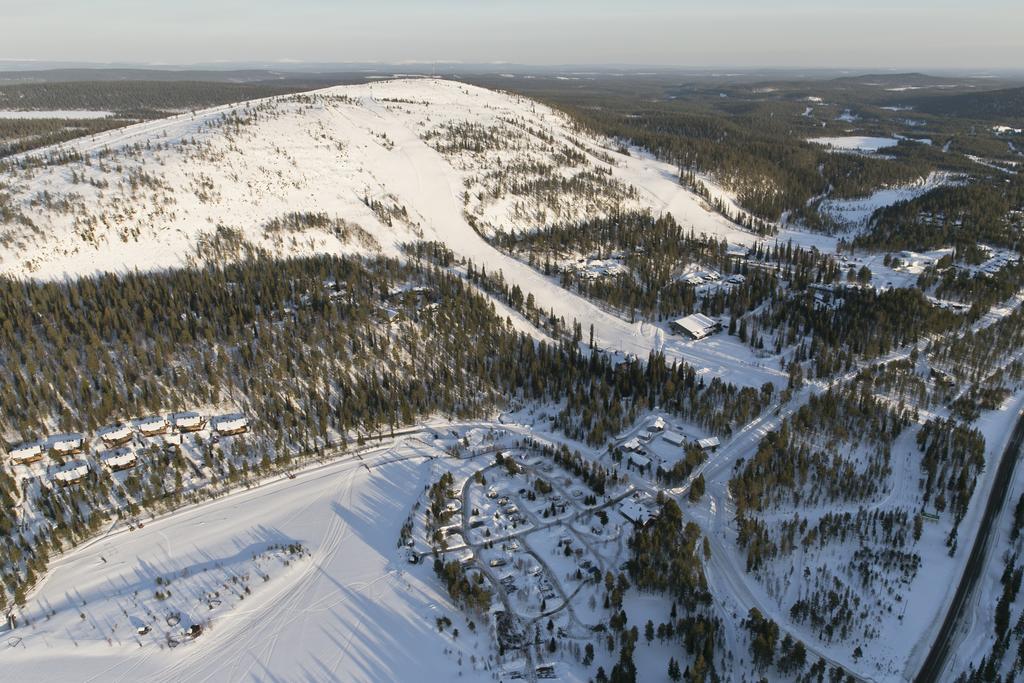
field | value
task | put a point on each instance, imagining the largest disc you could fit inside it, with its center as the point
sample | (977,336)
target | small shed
(710,443)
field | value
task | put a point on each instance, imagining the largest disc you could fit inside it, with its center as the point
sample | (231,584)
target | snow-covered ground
(854,213)
(940,585)
(855,143)
(332,151)
(348,607)
(303,577)
(197,187)
(340,601)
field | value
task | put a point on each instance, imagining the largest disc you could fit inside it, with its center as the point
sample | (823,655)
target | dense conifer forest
(752,137)
(318,350)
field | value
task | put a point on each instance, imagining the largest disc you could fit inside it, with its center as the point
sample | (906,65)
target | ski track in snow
(306,623)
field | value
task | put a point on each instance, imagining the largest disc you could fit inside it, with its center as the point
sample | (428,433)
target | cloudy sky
(865,33)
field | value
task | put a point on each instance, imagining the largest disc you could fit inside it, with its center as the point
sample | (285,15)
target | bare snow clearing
(295,579)
(854,213)
(855,143)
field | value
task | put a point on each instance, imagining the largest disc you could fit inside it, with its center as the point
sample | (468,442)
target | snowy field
(854,213)
(348,609)
(855,143)
(939,583)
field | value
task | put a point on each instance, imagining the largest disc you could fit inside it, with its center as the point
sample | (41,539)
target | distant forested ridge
(137,97)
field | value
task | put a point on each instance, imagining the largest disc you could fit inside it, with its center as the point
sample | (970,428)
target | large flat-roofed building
(696,326)
(674,438)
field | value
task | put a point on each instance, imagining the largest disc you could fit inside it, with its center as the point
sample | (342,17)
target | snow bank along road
(932,669)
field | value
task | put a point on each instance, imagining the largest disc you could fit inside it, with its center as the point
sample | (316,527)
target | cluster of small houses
(115,438)
(595,268)
(996,261)
(637,446)
(912,261)
(710,276)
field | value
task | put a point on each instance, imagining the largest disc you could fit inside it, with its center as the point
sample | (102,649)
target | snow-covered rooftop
(122,457)
(696,325)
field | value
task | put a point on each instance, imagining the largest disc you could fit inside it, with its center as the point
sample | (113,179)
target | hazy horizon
(907,35)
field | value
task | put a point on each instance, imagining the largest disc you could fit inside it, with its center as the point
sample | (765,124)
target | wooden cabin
(226,425)
(67,444)
(188,422)
(152,426)
(71,473)
(116,435)
(120,459)
(26,453)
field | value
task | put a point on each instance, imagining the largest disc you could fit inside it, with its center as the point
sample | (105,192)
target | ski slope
(161,194)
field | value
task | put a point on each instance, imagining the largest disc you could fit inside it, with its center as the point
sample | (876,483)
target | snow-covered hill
(351,169)
(381,164)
